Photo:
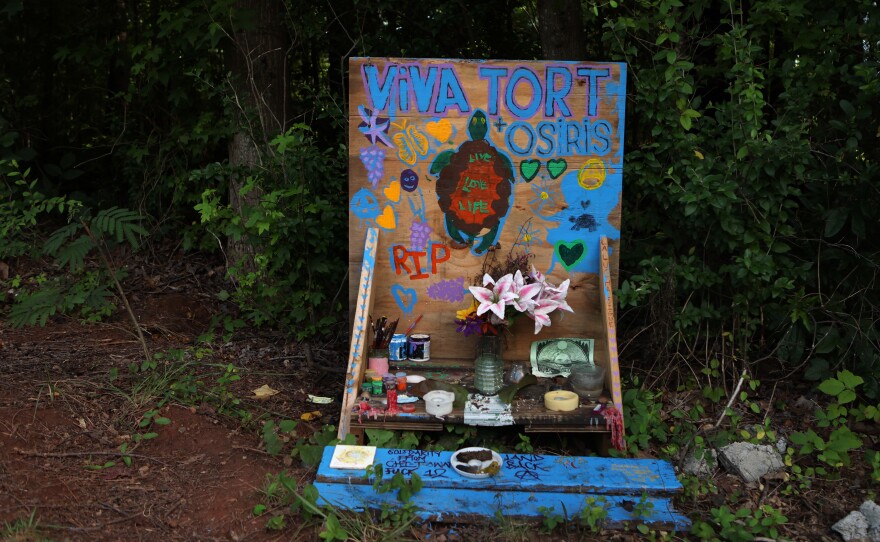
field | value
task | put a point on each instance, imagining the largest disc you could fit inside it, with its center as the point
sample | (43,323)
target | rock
(702,466)
(750,461)
(853,527)
(781,445)
(871,511)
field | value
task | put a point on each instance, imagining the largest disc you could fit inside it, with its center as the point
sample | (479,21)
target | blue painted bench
(528,485)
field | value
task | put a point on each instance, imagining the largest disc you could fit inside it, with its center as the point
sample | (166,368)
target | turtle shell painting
(474,187)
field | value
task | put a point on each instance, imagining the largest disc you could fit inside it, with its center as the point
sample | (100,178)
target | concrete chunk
(852,528)
(750,461)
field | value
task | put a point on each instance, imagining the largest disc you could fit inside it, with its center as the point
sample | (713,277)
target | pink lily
(495,299)
(525,292)
(559,294)
(537,275)
(540,313)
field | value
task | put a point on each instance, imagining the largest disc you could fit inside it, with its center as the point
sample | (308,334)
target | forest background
(750,201)
(750,231)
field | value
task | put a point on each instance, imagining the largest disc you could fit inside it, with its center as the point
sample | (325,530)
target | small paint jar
(367,386)
(390,382)
(377,385)
(401,381)
(397,347)
(420,347)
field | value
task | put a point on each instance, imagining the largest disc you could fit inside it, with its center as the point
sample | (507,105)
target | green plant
(594,513)
(283,201)
(311,450)
(70,245)
(551,518)
(643,508)
(741,525)
(22,205)
(872,458)
(274,436)
(833,450)
(382,438)
(405,488)
(642,411)
(279,489)
(23,530)
(524,446)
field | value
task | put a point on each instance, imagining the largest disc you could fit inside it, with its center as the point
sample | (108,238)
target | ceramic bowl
(474,463)
(438,402)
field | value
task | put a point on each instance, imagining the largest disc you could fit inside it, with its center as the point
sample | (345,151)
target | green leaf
(832,387)
(843,440)
(850,380)
(846,396)
(835,220)
(259,509)
(286,426)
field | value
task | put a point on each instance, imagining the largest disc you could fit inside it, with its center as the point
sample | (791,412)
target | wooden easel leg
(358,434)
(604,444)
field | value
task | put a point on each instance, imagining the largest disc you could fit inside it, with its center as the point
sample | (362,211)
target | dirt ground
(68,401)
(63,417)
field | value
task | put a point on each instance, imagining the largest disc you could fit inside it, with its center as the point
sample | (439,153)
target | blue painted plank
(522,472)
(451,505)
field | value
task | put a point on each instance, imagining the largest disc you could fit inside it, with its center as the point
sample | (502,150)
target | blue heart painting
(405,298)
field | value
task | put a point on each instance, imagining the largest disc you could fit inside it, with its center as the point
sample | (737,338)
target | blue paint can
(420,347)
(397,347)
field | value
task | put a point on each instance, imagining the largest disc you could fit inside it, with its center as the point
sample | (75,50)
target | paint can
(397,347)
(419,347)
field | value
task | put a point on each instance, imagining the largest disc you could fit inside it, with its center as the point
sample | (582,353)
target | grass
(23,530)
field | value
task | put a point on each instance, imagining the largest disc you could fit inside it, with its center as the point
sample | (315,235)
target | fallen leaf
(309,416)
(265,391)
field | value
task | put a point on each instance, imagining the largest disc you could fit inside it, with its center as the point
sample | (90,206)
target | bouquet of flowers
(500,300)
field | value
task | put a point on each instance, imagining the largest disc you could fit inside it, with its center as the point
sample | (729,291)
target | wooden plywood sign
(457,161)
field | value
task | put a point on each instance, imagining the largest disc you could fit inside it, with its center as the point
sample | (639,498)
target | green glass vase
(489,365)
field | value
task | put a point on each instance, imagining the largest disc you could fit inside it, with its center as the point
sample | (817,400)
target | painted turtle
(474,187)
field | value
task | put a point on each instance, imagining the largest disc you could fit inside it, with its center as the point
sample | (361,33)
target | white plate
(456,463)
(414,379)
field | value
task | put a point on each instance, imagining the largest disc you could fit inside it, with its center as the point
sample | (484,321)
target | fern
(121,223)
(58,238)
(37,307)
(74,253)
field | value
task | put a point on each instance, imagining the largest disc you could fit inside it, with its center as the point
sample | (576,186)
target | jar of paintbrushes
(382,332)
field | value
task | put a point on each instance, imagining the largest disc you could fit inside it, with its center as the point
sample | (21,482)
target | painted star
(373,127)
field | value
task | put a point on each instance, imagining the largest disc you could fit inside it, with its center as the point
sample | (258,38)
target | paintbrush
(391,329)
(413,325)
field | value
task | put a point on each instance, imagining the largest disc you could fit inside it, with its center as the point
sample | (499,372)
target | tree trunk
(258,63)
(561,25)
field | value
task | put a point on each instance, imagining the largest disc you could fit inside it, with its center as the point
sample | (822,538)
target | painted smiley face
(409,180)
